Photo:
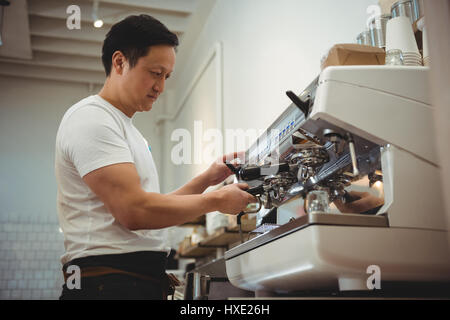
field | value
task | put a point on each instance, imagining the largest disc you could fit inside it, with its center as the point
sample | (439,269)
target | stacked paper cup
(425,54)
(400,36)
(426,57)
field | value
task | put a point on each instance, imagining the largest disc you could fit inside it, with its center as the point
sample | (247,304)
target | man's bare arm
(118,187)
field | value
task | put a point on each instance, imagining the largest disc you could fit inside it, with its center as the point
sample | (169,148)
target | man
(109,206)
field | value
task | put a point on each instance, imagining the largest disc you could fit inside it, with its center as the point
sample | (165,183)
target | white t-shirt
(93,134)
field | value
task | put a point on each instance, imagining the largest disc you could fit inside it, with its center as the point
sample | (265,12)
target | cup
(377,30)
(363,38)
(425,47)
(418,9)
(403,8)
(400,35)
(412,59)
(317,201)
(394,57)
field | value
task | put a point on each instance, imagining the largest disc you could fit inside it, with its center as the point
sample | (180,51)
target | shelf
(247,226)
(196,251)
(219,239)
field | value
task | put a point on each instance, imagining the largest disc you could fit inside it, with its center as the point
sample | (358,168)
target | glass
(394,57)
(377,30)
(363,38)
(317,201)
(403,8)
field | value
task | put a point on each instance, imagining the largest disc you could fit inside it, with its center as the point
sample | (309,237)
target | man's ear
(118,62)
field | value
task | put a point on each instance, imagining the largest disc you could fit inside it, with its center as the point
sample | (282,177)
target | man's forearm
(195,186)
(157,211)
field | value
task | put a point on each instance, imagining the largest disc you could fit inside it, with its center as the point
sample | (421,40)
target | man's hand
(218,171)
(232,198)
(365,202)
(215,174)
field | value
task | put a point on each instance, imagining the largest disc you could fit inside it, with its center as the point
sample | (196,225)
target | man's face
(143,83)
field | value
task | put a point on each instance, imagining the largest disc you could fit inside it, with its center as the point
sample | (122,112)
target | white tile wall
(30,251)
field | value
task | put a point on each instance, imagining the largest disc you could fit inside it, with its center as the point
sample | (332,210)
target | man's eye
(156,73)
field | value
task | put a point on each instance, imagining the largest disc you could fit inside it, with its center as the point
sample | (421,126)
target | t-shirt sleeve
(94,139)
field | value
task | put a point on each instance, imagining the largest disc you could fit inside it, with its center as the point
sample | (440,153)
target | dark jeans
(120,286)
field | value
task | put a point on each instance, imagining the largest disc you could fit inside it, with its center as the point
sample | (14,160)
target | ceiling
(38,43)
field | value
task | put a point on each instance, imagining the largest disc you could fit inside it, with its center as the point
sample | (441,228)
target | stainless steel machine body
(351,123)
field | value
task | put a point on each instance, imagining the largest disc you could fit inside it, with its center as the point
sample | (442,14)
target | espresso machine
(352,124)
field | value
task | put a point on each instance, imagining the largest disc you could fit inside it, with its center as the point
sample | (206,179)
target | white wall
(197,116)
(269,47)
(30,243)
(30,111)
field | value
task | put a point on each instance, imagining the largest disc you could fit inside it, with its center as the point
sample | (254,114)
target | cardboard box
(214,221)
(348,54)
(248,222)
(386,5)
(184,245)
(198,235)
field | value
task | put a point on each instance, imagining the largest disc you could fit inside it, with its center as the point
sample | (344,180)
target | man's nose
(159,85)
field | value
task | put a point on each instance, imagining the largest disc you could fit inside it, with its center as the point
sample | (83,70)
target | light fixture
(98,23)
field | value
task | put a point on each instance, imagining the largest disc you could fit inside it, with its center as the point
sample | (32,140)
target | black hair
(133,36)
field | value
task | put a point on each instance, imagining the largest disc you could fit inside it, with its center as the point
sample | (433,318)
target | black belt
(145,263)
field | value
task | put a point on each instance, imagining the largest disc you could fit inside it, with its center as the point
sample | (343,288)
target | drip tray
(305,221)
